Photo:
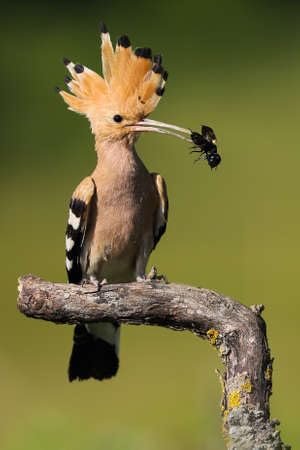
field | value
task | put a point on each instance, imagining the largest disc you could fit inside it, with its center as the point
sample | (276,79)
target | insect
(207,144)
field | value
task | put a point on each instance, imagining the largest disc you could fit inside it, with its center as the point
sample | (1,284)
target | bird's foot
(162,279)
(152,276)
(98,285)
(141,279)
(84,281)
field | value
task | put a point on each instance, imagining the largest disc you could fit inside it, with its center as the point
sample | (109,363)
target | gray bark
(236,331)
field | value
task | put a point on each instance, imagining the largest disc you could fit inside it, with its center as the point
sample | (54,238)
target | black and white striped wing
(77,223)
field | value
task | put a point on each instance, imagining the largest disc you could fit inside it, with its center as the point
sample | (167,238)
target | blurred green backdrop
(234,65)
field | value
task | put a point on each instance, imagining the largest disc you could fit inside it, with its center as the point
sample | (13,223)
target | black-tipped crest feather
(66,61)
(143,52)
(124,41)
(79,68)
(103,28)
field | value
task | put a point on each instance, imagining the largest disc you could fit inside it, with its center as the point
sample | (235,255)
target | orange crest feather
(132,83)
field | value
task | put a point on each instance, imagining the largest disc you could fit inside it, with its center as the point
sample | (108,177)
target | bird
(118,213)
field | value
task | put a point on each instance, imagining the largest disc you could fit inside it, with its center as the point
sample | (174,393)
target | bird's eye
(117,118)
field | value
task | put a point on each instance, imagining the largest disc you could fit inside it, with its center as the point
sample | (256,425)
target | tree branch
(237,332)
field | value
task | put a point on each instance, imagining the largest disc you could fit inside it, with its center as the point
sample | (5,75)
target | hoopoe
(117,214)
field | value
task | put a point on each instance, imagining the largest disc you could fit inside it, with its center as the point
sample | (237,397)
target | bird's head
(117,104)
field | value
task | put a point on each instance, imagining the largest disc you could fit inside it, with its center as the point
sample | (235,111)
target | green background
(234,65)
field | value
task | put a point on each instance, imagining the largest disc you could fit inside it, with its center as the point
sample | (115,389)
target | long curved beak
(161,127)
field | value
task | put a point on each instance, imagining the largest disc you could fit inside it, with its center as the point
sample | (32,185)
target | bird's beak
(161,127)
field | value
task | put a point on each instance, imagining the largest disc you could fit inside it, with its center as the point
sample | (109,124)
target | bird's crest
(132,83)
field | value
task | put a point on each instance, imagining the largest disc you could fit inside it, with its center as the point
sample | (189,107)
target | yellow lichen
(234,399)
(225,414)
(268,374)
(225,428)
(247,386)
(212,336)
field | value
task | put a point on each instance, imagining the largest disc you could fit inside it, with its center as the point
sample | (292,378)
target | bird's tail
(95,351)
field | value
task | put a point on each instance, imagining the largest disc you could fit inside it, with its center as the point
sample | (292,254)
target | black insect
(207,145)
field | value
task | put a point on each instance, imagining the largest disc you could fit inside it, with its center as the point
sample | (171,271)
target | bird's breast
(123,215)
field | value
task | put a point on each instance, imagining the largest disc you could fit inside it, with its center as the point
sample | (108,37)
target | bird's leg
(141,261)
(152,275)
(84,281)
(141,278)
(98,284)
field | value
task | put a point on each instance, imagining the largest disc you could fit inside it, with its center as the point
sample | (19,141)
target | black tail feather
(91,357)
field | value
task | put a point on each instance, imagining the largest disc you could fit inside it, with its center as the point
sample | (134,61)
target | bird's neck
(117,158)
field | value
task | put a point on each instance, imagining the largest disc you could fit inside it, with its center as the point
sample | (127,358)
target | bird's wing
(160,222)
(77,222)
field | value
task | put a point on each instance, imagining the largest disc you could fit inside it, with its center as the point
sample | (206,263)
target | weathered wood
(236,331)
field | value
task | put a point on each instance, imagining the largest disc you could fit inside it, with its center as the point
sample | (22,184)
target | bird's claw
(141,279)
(152,276)
(98,285)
